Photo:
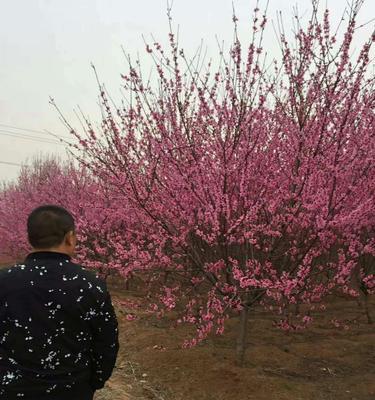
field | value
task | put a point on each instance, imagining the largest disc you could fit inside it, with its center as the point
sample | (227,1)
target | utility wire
(10,163)
(24,135)
(34,130)
(29,137)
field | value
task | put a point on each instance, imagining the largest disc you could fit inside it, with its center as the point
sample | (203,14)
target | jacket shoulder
(91,277)
(8,275)
(4,271)
(7,271)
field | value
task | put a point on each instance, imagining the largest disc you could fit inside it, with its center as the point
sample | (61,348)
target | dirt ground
(322,363)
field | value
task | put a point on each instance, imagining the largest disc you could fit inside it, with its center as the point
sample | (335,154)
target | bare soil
(322,363)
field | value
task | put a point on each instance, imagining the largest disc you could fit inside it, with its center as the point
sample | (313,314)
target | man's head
(51,228)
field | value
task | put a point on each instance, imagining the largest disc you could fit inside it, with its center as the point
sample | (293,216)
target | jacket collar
(47,255)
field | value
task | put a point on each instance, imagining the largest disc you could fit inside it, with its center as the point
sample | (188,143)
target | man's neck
(60,250)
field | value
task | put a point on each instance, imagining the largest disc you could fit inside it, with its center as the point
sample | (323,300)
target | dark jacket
(58,330)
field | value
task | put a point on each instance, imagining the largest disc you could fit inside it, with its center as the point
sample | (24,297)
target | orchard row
(224,188)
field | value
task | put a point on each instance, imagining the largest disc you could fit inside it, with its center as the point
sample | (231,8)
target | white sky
(46,47)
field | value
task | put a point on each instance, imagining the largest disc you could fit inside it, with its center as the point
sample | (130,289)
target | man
(58,329)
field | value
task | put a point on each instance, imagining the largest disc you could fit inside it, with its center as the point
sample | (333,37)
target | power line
(23,135)
(11,163)
(28,137)
(35,131)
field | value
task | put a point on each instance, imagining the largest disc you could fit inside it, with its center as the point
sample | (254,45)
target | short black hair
(47,226)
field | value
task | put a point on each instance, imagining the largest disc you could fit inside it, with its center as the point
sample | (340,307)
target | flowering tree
(50,181)
(246,186)
(19,198)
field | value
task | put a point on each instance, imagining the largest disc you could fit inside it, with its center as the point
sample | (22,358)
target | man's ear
(70,238)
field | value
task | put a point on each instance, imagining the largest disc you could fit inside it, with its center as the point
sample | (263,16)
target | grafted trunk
(242,336)
(367,309)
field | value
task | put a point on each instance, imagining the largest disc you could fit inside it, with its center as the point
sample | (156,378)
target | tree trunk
(367,309)
(166,276)
(242,336)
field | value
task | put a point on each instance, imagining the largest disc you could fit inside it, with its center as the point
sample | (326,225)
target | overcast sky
(46,47)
